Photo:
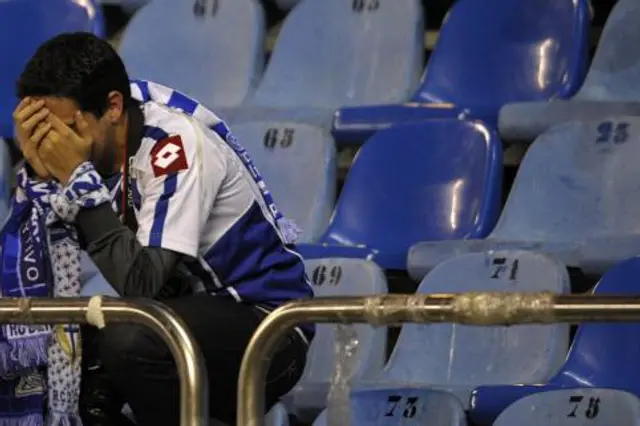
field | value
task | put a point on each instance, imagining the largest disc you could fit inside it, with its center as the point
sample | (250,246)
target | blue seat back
(344,277)
(511,51)
(570,407)
(451,354)
(298,162)
(402,407)
(578,179)
(332,53)
(434,180)
(25,25)
(606,354)
(213,53)
(615,70)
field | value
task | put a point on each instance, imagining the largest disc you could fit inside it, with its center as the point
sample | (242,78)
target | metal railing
(466,308)
(191,367)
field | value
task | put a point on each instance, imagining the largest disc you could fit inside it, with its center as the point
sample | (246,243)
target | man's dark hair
(79,66)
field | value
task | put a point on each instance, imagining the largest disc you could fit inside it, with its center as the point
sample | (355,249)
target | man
(202,234)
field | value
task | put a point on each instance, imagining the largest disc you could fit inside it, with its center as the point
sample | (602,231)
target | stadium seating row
(573,197)
(431,177)
(313,71)
(484,58)
(313,86)
(496,374)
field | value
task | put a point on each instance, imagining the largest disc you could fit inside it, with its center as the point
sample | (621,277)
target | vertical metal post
(189,361)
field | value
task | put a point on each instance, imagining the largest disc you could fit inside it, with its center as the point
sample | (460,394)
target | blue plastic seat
(603,355)
(25,25)
(277,416)
(298,162)
(214,54)
(402,407)
(332,53)
(457,358)
(93,282)
(573,407)
(574,197)
(486,57)
(338,277)
(611,87)
(434,181)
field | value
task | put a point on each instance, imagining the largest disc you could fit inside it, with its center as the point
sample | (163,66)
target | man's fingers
(32,149)
(28,111)
(28,125)
(23,103)
(82,125)
(30,152)
(40,132)
(59,126)
(39,167)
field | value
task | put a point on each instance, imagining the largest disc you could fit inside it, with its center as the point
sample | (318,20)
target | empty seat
(434,180)
(485,57)
(298,162)
(573,407)
(574,197)
(334,52)
(611,87)
(603,355)
(277,416)
(25,25)
(456,358)
(343,277)
(211,51)
(402,407)
(93,282)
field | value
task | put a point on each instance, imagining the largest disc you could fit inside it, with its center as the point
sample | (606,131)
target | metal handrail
(464,308)
(189,361)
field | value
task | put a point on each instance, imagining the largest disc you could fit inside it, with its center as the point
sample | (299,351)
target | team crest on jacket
(168,156)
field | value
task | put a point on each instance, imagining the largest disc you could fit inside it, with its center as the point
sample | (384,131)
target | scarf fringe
(56,418)
(23,354)
(27,420)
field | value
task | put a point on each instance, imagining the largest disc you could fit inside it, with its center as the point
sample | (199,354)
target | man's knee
(122,345)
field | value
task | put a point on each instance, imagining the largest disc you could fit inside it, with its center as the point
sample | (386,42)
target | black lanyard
(134,138)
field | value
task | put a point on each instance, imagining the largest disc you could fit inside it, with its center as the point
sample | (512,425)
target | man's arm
(133,270)
(174,207)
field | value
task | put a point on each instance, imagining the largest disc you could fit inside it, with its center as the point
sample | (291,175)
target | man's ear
(115,107)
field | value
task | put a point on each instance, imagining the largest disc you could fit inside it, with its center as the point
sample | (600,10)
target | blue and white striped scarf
(145,91)
(41,258)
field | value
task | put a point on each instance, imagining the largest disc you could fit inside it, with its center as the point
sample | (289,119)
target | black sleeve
(133,270)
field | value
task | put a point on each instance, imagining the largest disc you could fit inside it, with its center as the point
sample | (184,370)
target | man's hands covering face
(51,147)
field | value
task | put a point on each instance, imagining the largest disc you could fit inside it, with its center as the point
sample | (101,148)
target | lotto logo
(168,156)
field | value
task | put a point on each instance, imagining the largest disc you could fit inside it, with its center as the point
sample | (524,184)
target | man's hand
(63,150)
(30,128)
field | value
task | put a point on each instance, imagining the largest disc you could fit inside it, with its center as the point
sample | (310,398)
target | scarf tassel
(23,354)
(28,420)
